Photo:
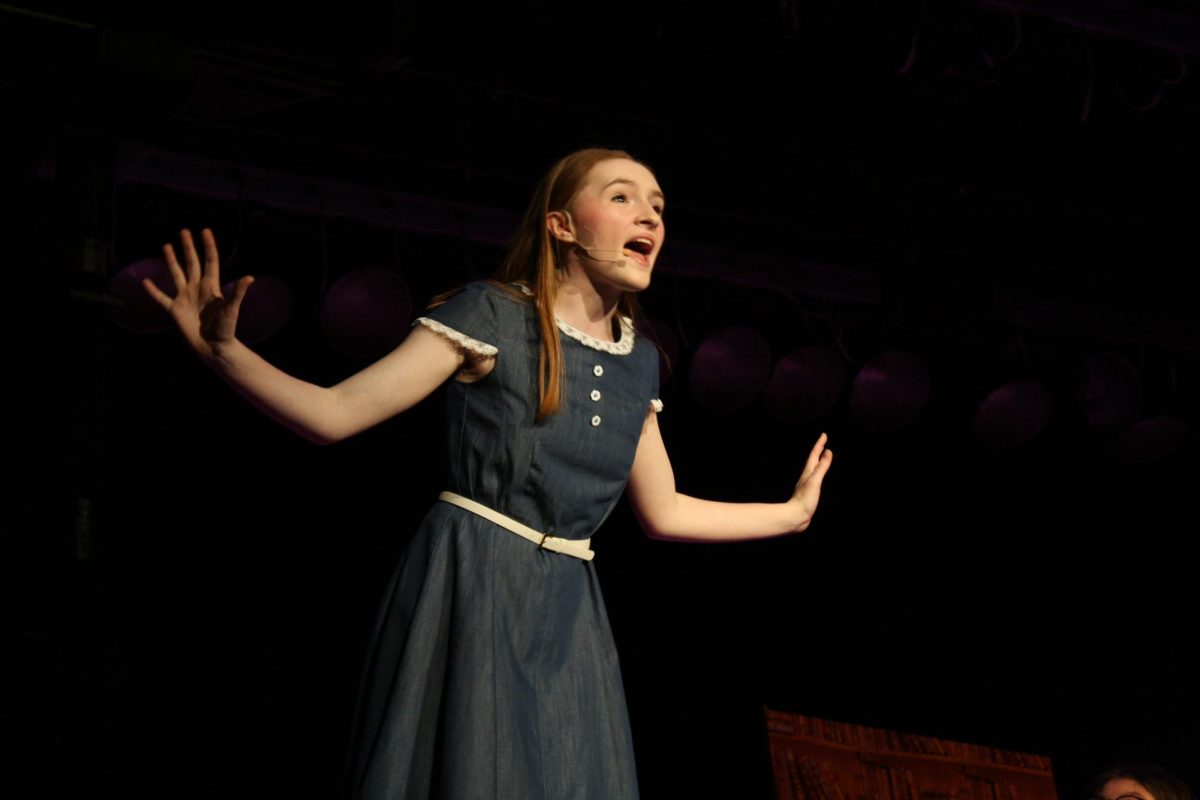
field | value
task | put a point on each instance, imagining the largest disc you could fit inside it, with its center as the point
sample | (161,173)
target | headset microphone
(590,252)
(620,262)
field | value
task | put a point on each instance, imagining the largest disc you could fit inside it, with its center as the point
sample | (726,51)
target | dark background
(1002,188)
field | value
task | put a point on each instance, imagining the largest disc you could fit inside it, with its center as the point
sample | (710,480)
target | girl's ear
(559,225)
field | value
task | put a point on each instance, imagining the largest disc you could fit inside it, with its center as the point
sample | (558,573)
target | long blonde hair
(533,261)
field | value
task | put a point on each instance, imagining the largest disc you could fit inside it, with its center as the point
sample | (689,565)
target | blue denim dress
(492,672)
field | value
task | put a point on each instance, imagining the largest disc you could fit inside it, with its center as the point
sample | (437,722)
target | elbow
(658,520)
(651,530)
(322,438)
(329,427)
(325,440)
(655,531)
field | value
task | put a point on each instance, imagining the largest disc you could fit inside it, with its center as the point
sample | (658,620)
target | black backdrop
(1006,193)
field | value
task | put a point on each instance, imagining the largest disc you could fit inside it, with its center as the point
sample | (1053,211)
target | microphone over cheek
(591,253)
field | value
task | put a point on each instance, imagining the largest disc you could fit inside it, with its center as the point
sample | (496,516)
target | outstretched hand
(204,315)
(808,488)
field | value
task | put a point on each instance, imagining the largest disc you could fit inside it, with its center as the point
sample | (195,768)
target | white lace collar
(621,347)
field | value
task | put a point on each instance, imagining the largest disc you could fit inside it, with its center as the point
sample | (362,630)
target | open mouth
(642,247)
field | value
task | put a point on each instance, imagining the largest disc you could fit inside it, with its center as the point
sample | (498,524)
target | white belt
(579,548)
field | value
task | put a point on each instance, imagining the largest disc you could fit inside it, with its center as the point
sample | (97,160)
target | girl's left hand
(808,488)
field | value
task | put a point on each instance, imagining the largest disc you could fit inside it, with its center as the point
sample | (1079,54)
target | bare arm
(396,382)
(393,384)
(666,514)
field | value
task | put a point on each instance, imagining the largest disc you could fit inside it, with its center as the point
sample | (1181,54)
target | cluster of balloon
(733,365)
(366,312)
(889,391)
(805,384)
(265,309)
(730,368)
(1013,414)
(1113,395)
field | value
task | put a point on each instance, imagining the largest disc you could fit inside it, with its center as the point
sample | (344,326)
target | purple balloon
(889,391)
(366,312)
(805,384)
(1150,439)
(730,368)
(265,309)
(1110,392)
(1013,414)
(133,308)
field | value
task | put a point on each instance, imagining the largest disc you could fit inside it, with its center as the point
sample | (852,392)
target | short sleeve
(468,319)
(656,404)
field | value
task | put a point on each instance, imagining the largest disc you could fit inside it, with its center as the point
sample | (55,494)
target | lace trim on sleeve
(460,339)
(656,405)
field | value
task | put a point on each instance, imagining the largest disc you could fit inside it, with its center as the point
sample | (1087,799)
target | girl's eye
(619,197)
(658,210)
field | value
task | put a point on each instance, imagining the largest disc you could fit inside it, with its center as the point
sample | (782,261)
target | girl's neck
(582,306)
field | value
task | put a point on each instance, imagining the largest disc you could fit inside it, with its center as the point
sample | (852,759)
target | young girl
(492,671)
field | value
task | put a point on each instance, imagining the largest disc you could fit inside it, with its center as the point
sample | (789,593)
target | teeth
(642,245)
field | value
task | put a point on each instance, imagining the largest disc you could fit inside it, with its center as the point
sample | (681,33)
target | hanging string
(911,58)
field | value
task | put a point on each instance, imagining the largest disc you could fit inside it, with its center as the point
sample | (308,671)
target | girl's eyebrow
(655,193)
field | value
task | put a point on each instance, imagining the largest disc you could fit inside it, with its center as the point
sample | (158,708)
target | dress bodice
(563,474)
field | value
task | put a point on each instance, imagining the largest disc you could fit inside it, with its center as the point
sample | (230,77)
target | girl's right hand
(207,319)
